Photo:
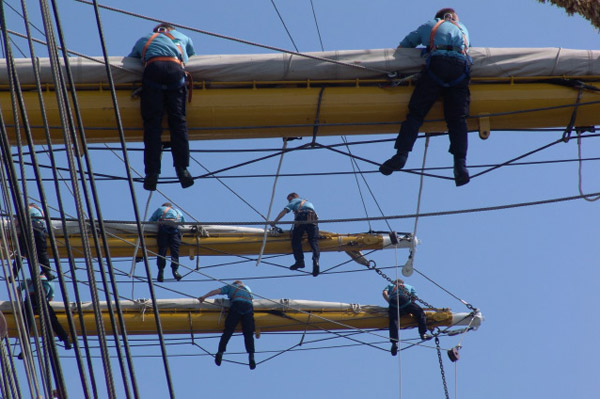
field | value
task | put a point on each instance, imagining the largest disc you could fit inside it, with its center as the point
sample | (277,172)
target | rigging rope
(317,58)
(264,239)
(134,201)
(408,266)
(355,166)
(284,25)
(317,25)
(580,174)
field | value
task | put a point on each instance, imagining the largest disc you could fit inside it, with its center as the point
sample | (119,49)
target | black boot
(150,181)
(316,270)
(49,275)
(185,178)
(251,361)
(176,274)
(161,275)
(394,349)
(298,265)
(395,163)
(218,358)
(461,174)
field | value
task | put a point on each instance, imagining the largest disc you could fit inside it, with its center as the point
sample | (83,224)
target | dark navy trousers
(244,311)
(41,248)
(456,99)
(164,89)
(169,238)
(412,308)
(312,231)
(30,318)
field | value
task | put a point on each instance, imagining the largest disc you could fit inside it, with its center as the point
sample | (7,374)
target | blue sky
(533,271)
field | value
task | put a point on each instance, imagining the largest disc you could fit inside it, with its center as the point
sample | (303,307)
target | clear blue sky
(533,272)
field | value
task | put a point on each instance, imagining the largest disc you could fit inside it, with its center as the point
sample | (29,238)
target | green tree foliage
(589,9)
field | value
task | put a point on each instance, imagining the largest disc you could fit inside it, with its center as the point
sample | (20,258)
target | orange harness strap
(173,59)
(432,46)
(162,217)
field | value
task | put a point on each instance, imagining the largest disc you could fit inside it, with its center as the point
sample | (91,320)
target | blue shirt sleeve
(418,36)
(136,51)
(49,289)
(156,215)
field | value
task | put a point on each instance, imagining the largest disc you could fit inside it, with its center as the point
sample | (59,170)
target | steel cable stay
(320,318)
(32,377)
(101,219)
(43,201)
(355,167)
(108,177)
(407,216)
(73,156)
(48,363)
(285,26)
(273,191)
(192,29)
(580,173)
(134,201)
(59,266)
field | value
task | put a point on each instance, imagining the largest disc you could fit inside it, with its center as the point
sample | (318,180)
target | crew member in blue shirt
(240,308)
(168,238)
(31,297)
(401,300)
(41,247)
(446,74)
(307,219)
(164,53)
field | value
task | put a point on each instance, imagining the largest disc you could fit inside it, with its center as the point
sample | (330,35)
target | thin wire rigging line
(285,26)
(317,25)
(355,66)
(580,173)
(264,239)
(355,166)
(230,189)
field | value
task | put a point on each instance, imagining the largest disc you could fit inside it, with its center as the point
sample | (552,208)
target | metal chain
(373,266)
(439,353)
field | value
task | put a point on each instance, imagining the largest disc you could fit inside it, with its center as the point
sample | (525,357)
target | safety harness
(154,59)
(432,47)
(163,218)
(311,214)
(188,76)
(243,288)
(396,293)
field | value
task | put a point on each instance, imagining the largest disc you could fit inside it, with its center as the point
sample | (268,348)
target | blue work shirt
(294,205)
(393,291)
(237,292)
(35,213)
(46,286)
(163,46)
(165,213)
(447,34)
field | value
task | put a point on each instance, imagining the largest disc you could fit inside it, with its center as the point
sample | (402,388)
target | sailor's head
(291,196)
(163,27)
(167,204)
(399,281)
(238,282)
(447,14)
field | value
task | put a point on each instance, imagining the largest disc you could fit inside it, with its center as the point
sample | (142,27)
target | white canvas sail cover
(487,62)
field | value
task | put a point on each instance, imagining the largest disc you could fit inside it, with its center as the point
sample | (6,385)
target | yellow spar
(219,240)
(188,316)
(288,109)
